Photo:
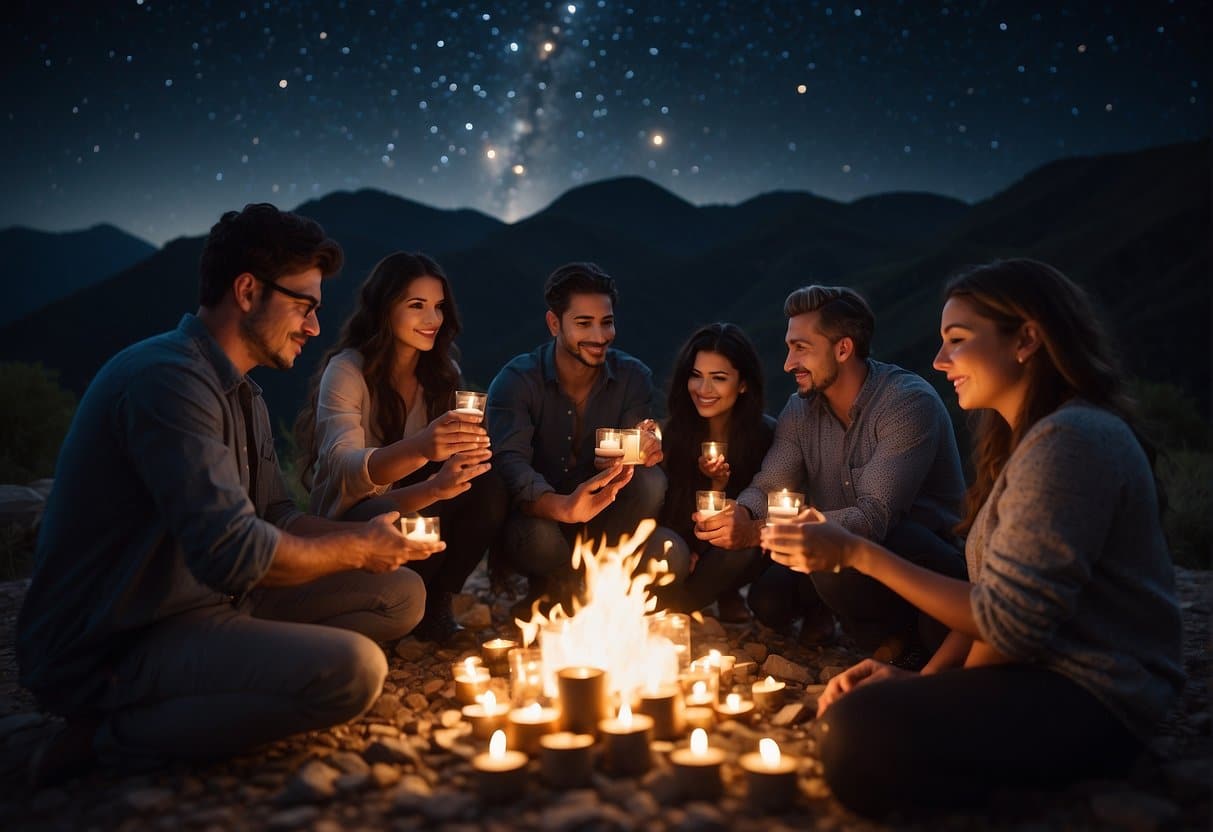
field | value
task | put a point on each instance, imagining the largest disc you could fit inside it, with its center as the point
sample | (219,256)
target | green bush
(1170,417)
(1186,477)
(33,421)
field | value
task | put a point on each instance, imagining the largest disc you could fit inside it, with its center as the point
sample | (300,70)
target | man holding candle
(874,448)
(177,591)
(544,408)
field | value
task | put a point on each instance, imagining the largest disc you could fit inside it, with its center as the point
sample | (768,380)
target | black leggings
(952,739)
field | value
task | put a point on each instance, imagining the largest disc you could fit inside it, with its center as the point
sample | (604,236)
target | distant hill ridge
(1133,228)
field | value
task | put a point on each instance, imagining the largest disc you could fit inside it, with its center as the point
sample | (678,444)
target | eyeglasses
(312,303)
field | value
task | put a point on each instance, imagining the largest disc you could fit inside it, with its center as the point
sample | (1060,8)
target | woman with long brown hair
(379,433)
(1065,647)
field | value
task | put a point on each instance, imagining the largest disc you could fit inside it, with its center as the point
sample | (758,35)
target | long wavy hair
(686,429)
(1076,361)
(369,331)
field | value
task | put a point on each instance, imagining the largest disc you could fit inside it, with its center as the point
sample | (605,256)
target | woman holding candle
(379,434)
(716,395)
(1068,632)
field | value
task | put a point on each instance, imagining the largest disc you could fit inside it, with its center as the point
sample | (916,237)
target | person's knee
(853,762)
(354,669)
(644,495)
(771,601)
(534,546)
(666,544)
(404,601)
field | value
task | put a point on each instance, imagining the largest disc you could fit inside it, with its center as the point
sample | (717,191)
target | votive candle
(566,759)
(625,742)
(500,772)
(697,768)
(770,777)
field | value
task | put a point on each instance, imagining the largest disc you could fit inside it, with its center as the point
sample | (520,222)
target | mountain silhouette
(1132,228)
(49,265)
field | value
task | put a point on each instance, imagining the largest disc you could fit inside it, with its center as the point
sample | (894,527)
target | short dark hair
(577,279)
(844,314)
(265,242)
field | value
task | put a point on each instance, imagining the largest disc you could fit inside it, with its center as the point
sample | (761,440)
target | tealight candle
(470,403)
(630,440)
(713,450)
(526,675)
(500,773)
(710,503)
(700,684)
(697,769)
(723,665)
(583,702)
(486,715)
(609,443)
(424,529)
(734,707)
(496,653)
(663,704)
(527,725)
(770,777)
(625,741)
(783,505)
(768,693)
(566,759)
(471,679)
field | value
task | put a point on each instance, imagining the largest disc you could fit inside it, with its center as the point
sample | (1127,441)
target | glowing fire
(610,630)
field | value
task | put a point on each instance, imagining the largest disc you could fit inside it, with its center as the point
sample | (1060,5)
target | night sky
(157,116)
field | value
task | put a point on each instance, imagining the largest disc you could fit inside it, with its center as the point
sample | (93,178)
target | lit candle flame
(769,750)
(533,711)
(469,665)
(770,682)
(733,701)
(699,688)
(714,658)
(699,742)
(625,715)
(488,700)
(497,745)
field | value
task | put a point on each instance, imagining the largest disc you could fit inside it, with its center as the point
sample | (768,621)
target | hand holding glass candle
(710,503)
(713,451)
(470,403)
(421,529)
(783,505)
(609,443)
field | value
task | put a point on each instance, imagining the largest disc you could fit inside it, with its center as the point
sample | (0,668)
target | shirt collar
(229,377)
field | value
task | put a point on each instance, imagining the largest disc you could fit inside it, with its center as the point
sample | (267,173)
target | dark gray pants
(216,681)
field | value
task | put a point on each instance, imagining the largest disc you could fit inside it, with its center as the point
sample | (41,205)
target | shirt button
(569,438)
(570,413)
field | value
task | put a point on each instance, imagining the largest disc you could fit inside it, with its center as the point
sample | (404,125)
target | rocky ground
(405,765)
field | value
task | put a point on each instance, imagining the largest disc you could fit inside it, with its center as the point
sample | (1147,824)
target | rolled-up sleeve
(173,422)
(341,435)
(1052,520)
(513,413)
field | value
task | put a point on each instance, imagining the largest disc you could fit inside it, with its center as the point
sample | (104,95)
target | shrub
(33,421)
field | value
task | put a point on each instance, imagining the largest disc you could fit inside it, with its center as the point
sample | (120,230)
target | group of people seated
(1022,630)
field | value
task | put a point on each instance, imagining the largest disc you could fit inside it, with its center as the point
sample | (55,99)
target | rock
(390,750)
(478,617)
(1132,810)
(829,672)
(347,763)
(461,602)
(662,786)
(145,800)
(781,668)
(451,717)
(567,817)
(756,650)
(432,686)
(211,816)
(356,782)
(815,788)
(642,806)
(387,706)
(292,818)
(411,793)
(711,629)
(790,714)
(447,805)
(383,775)
(410,649)
(702,817)
(313,783)
(417,701)
(377,730)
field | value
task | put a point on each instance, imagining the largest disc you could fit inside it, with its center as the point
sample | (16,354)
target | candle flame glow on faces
(699,742)
(769,751)
(733,701)
(497,745)
(625,715)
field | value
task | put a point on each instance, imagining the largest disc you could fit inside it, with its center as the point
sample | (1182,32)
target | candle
(527,725)
(674,627)
(609,443)
(470,403)
(471,679)
(734,707)
(697,769)
(663,704)
(423,529)
(770,777)
(700,717)
(566,759)
(768,694)
(700,684)
(500,773)
(486,716)
(631,446)
(713,450)
(496,653)
(709,503)
(723,665)
(583,701)
(526,675)
(783,505)
(625,742)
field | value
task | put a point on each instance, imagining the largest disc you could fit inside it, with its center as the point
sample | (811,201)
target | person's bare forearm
(300,559)
(944,599)
(395,461)
(549,506)
(952,653)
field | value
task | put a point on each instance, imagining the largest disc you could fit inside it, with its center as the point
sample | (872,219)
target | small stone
(461,602)
(789,714)
(478,617)
(383,775)
(347,763)
(145,800)
(410,649)
(417,701)
(312,783)
(221,816)
(815,788)
(829,672)
(702,817)
(348,783)
(1134,810)
(433,686)
(447,805)
(450,718)
(757,651)
(377,730)
(387,706)
(568,817)
(642,806)
(390,750)
(446,738)
(779,667)
(292,818)
(711,629)
(660,783)
(412,791)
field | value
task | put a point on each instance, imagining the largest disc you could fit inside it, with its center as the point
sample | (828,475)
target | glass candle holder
(783,505)
(708,503)
(713,450)
(470,403)
(675,627)
(608,442)
(420,528)
(526,676)
(700,685)
(630,438)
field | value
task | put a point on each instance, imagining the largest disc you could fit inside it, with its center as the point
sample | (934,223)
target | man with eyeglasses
(181,606)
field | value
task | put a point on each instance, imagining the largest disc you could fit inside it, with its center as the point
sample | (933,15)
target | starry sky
(157,116)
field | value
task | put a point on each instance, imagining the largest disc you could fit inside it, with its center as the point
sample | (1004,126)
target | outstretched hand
(456,474)
(809,543)
(596,493)
(866,672)
(385,547)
